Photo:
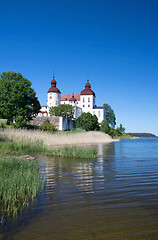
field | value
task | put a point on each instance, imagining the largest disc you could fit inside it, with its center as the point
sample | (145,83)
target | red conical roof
(87,90)
(53,87)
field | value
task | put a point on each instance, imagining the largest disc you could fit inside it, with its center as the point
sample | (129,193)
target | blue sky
(113,43)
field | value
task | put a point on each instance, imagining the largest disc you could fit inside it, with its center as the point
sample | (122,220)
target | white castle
(83,102)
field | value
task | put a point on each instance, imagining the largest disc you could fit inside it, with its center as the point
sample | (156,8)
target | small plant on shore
(47,126)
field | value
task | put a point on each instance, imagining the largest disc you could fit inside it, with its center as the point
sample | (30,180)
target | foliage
(17,98)
(110,115)
(75,130)
(2,125)
(13,148)
(88,122)
(143,135)
(20,122)
(126,136)
(74,152)
(121,128)
(47,126)
(118,132)
(104,127)
(20,182)
(63,110)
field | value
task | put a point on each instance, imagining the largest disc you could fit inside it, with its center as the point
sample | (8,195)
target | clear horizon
(113,43)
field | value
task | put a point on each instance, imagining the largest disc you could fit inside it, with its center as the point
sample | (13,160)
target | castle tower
(87,98)
(53,96)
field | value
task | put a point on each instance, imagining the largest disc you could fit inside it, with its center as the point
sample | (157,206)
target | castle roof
(87,90)
(73,98)
(53,87)
(68,97)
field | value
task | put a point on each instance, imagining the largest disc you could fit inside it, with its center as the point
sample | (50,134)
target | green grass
(16,149)
(20,182)
(126,136)
(72,131)
(74,152)
(3,121)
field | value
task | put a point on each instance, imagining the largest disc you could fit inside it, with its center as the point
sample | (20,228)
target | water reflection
(112,197)
(86,175)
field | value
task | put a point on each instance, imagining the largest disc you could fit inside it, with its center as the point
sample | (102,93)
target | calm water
(113,197)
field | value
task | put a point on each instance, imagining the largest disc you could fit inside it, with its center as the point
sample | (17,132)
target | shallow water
(113,197)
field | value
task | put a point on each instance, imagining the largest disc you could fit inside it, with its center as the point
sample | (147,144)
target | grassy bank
(16,149)
(19,145)
(55,139)
(19,183)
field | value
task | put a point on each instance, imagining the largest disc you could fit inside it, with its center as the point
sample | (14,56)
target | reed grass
(20,182)
(57,139)
(16,149)
(17,142)
(74,152)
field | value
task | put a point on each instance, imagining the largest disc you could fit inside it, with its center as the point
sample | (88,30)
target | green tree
(88,122)
(110,115)
(63,110)
(17,98)
(122,129)
(104,127)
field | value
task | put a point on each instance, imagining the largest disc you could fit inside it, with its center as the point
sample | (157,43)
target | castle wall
(59,122)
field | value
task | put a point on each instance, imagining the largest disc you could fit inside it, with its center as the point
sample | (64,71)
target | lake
(112,197)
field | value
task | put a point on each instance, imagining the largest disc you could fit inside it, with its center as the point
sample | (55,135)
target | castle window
(88,105)
(83,105)
(89,99)
(98,113)
(83,99)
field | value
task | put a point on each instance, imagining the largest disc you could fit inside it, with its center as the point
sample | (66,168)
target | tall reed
(20,182)
(18,144)
(74,152)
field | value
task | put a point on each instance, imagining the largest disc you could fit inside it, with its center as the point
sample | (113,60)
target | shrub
(2,125)
(88,122)
(47,126)
(20,122)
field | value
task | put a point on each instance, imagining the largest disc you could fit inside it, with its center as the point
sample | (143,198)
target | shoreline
(57,139)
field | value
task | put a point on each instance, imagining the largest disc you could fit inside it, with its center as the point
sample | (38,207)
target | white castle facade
(83,102)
